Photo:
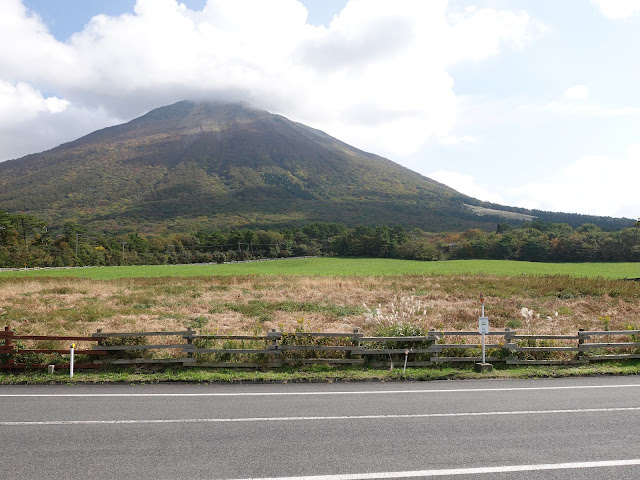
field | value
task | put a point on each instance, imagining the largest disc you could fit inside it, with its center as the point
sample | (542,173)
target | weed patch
(263,309)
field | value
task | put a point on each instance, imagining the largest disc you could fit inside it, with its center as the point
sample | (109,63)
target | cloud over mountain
(377,76)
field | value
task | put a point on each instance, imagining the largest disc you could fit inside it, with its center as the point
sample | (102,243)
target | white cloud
(478,33)
(595,185)
(590,109)
(28,52)
(376,77)
(56,105)
(573,102)
(466,184)
(592,185)
(618,9)
(577,92)
(31,122)
(21,102)
(454,140)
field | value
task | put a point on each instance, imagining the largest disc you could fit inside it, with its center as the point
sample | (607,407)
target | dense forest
(26,241)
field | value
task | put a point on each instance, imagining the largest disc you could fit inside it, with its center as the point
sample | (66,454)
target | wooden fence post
(7,340)
(8,345)
(100,342)
(508,340)
(357,343)
(276,359)
(432,337)
(189,337)
(580,355)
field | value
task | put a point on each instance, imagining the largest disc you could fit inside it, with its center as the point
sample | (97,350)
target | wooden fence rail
(276,349)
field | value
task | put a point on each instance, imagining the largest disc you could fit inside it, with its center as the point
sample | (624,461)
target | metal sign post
(406,356)
(483,329)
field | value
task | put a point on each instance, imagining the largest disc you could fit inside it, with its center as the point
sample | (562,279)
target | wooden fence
(9,349)
(277,349)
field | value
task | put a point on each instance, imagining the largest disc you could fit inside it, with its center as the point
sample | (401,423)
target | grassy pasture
(321,294)
(339,267)
(303,296)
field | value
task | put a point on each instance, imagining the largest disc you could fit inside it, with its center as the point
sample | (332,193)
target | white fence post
(71,351)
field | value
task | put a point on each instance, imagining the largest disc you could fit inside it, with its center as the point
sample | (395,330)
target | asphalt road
(587,428)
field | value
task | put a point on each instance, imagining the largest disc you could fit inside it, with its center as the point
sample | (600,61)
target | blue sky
(529,103)
(65,17)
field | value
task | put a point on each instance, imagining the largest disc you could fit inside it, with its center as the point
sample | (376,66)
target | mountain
(193,165)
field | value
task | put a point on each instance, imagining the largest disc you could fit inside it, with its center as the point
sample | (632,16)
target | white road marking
(463,471)
(309,418)
(286,394)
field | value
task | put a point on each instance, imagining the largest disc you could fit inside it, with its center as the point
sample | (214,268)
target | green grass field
(346,267)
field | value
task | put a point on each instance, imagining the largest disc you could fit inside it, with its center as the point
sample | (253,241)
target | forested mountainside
(196,165)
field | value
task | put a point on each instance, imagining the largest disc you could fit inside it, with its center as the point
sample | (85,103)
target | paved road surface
(473,430)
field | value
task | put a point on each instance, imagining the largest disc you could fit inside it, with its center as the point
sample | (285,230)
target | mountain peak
(184,117)
(190,113)
(224,164)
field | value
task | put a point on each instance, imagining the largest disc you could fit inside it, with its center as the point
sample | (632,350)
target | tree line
(25,240)
(535,241)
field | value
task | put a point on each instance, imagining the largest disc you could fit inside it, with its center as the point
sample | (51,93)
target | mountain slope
(191,165)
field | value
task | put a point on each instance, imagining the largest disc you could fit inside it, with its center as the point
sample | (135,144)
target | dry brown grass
(540,305)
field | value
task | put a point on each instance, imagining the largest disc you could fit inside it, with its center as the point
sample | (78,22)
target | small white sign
(483,325)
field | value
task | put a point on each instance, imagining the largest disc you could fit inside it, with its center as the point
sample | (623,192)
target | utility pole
(123,244)
(77,235)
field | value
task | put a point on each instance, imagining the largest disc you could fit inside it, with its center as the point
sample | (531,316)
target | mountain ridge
(198,164)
